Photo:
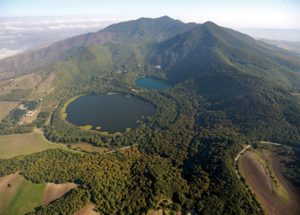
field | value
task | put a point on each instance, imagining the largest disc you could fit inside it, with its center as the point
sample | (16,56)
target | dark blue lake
(111,112)
(152,83)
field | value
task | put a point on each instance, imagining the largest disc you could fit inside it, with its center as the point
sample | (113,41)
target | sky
(230,13)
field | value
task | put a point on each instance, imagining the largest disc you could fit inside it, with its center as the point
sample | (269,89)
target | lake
(111,112)
(152,83)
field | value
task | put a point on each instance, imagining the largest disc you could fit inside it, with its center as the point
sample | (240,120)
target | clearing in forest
(262,172)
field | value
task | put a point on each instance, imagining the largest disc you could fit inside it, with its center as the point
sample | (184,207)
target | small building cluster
(157,67)
(30,113)
(122,70)
(22,107)
(134,90)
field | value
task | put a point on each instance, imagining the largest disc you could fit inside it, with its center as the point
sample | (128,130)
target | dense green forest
(228,90)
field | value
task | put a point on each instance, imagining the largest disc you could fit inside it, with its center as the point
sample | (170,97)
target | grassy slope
(265,159)
(43,88)
(6,107)
(21,197)
(23,82)
(86,147)
(19,144)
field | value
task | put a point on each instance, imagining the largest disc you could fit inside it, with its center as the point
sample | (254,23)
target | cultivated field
(19,144)
(86,147)
(87,210)
(19,196)
(6,107)
(55,191)
(262,171)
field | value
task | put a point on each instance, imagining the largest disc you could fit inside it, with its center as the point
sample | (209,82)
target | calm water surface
(111,112)
(152,83)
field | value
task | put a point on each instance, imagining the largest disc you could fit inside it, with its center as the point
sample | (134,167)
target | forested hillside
(249,81)
(227,91)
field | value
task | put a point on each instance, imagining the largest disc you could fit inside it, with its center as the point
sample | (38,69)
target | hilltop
(227,90)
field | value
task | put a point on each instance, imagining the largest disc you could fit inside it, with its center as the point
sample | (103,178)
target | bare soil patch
(261,184)
(87,210)
(6,107)
(293,191)
(28,119)
(7,181)
(55,191)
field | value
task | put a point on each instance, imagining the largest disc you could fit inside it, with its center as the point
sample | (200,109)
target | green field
(19,144)
(86,147)
(21,197)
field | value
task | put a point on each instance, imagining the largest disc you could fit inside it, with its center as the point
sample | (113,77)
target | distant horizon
(113,20)
(231,13)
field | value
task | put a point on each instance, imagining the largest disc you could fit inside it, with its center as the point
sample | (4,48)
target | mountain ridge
(226,91)
(229,69)
(235,48)
(31,60)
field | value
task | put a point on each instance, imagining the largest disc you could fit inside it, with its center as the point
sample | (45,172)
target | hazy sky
(231,13)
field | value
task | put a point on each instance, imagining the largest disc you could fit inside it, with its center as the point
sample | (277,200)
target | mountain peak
(211,26)
(166,18)
(150,29)
(210,23)
(162,19)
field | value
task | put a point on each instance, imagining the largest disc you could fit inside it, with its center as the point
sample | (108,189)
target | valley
(150,115)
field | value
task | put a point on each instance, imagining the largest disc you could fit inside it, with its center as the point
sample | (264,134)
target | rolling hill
(141,30)
(228,90)
(250,81)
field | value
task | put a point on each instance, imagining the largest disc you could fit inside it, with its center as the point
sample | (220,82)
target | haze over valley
(138,112)
(19,34)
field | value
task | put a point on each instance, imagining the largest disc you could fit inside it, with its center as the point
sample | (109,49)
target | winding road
(241,152)
(237,158)
(119,149)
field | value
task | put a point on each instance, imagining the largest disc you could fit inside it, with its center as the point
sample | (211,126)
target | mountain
(227,92)
(145,29)
(208,47)
(252,82)
(141,30)
(231,70)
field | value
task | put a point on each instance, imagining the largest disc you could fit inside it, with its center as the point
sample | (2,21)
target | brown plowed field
(87,210)
(55,191)
(261,185)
